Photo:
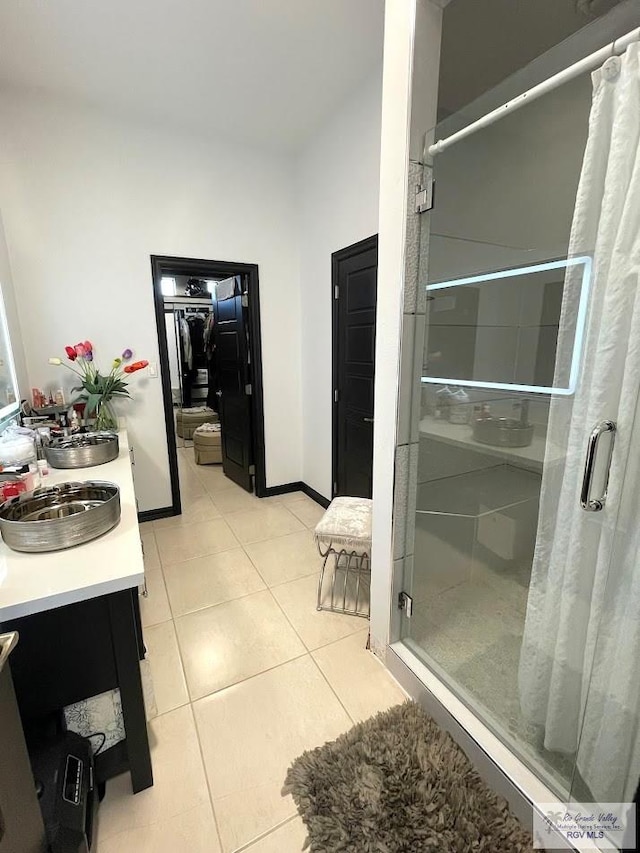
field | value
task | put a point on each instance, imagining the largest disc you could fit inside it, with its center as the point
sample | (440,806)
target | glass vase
(106,418)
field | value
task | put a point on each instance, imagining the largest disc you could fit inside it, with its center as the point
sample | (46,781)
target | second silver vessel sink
(57,517)
(82,451)
(502,432)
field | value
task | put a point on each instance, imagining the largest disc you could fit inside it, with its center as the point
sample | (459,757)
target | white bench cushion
(346,524)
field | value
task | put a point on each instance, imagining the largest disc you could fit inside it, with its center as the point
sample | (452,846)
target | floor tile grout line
(126,830)
(200,556)
(197,731)
(257,568)
(180,655)
(332,688)
(170,710)
(277,536)
(310,651)
(206,776)
(189,704)
(276,586)
(249,677)
(254,564)
(180,658)
(270,538)
(218,603)
(249,844)
(342,639)
(237,547)
(293,627)
(293,580)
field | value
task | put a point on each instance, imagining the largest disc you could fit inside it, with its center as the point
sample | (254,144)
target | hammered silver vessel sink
(502,432)
(53,518)
(82,451)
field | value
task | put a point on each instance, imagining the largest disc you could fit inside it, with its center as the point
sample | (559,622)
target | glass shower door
(503,492)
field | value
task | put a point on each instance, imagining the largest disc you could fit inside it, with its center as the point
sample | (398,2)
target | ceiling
(266,72)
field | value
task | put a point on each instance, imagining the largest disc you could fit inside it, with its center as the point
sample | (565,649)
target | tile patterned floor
(247,674)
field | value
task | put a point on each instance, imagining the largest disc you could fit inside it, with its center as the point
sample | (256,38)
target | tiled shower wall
(410,392)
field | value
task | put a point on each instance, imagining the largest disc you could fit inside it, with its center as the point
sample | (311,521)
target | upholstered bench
(187,420)
(207,444)
(343,537)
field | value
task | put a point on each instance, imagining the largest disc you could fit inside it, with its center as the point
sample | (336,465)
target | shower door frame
(501,768)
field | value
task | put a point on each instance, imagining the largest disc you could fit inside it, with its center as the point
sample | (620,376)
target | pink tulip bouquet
(99,389)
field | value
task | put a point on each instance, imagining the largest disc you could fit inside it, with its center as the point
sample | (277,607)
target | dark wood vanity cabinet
(74,652)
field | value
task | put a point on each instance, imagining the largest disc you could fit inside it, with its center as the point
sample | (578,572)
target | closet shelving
(194,382)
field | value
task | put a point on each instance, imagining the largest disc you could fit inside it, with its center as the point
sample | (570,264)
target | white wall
(337,185)
(87,198)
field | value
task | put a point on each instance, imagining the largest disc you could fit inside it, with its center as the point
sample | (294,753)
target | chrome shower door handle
(586,501)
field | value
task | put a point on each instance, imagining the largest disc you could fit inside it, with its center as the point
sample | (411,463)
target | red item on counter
(12,489)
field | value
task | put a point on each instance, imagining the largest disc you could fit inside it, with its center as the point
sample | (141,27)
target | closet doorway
(208,322)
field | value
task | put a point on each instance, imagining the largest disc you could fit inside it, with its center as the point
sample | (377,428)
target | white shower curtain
(580,662)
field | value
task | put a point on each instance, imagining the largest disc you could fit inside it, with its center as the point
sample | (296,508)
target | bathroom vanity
(77,615)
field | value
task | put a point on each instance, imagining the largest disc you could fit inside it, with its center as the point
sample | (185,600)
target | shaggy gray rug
(398,783)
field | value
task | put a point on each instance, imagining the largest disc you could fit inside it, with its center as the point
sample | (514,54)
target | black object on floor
(63,772)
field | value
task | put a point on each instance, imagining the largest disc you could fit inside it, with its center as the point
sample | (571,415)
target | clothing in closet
(186,360)
(196,327)
(185,342)
(212,362)
(192,353)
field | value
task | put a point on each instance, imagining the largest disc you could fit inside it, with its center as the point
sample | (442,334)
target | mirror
(9,395)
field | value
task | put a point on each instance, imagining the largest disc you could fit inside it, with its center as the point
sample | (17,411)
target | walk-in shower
(521,538)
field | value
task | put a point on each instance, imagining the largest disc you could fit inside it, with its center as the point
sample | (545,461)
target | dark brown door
(234,380)
(355,279)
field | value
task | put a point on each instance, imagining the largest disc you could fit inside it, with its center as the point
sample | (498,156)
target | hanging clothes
(578,676)
(209,342)
(185,339)
(196,327)
(212,361)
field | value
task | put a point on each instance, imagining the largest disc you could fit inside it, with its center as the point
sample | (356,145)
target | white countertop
(31,583)
(461,435)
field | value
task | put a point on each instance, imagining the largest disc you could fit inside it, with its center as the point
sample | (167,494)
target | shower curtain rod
(589,63)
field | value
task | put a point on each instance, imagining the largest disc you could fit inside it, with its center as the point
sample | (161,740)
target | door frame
(167,265)
(336,257)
